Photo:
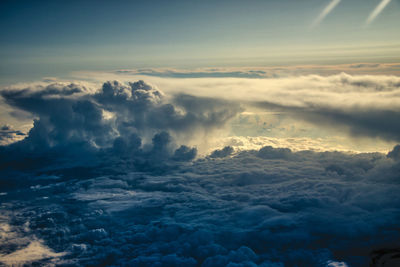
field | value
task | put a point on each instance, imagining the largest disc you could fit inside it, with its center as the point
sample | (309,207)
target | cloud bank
(118,119)
(267,207)
(361,105)
(107,176)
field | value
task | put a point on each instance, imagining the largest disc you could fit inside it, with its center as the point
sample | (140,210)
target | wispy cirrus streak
(328,9)
(379,8)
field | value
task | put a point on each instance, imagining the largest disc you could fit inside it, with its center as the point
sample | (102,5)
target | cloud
(192,109)
(362,105)
(361,68)
(184,153)
(328,9)
(379,8)
(106,176)
(365,65)
(200,73)
(222,153)
(269,152)
(358,121)
(395,153)
(132,120)
(266,207)
(34,252)
(9,135)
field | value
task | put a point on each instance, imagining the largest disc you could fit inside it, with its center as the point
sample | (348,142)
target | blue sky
(53,37)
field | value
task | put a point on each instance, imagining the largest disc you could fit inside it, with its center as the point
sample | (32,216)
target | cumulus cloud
(222,153)
(362,105)
(266,207)
(184,153)
(106,177)
(359,105)
(134,120)
(395,153)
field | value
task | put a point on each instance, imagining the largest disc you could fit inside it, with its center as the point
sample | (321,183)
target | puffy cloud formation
(353,104)
(359,105)
(106,177)
(133,120)
(395,153)
(267,207)
(221,153)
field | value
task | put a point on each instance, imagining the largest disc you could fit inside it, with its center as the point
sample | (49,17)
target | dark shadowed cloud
(9,135)
(357,121)
(133,120)
(267,207)
(222,153)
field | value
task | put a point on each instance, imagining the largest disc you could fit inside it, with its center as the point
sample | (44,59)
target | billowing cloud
(222,153)
(361,105)
(267,207)
(118,118)
(110,176)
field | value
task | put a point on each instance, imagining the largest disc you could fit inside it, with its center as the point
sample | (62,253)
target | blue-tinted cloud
(103,179)
(357,121)
(121,118)
(222,153)
(270,207)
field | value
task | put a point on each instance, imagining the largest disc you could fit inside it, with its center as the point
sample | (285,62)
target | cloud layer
(106,176)
(361,105)
(267,207)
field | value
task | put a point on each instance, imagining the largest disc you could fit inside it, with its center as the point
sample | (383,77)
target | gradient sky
(52,37)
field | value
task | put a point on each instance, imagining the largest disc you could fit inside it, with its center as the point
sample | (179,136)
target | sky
(48,37)
(200,133)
